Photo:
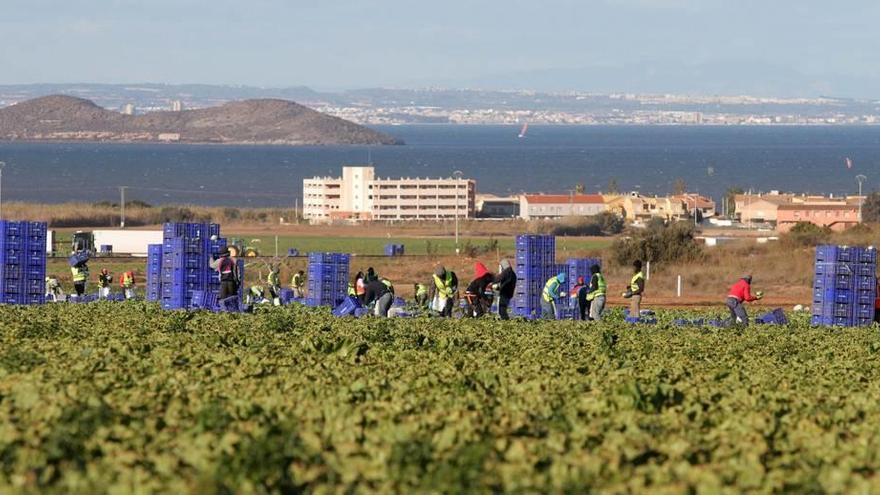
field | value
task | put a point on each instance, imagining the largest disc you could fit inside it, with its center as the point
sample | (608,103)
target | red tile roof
(565,199)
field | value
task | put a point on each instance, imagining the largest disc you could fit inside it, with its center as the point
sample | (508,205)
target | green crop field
(126,398)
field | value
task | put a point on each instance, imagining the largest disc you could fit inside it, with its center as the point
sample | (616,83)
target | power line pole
(860,178)
(122,205)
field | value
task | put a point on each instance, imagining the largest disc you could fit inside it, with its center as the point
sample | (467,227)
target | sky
(772,47)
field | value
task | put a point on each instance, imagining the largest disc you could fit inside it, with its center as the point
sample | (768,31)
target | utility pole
(2,164)
(457,174)
(122,206)
(860,178)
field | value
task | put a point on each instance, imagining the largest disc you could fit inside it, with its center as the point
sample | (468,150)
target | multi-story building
(547,206)
(837,217)
(693,201)
(360,195)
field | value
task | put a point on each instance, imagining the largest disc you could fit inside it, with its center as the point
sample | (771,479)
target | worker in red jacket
(739,294)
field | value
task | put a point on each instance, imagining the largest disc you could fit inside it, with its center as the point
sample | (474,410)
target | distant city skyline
(782,48)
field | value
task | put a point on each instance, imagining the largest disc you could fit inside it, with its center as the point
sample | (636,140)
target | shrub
(659,242)
(806,234)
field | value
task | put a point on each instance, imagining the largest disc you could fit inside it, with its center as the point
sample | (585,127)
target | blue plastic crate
(347,307)
(824,320)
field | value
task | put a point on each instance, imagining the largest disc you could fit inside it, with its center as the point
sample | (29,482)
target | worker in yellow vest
(126,282)
(421,294)
(80,275)
(635,290)
(554,290)
(596,294)
(273,284)
(298,284)
(444,291)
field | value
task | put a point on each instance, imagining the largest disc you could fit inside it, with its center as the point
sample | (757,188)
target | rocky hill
(66,118)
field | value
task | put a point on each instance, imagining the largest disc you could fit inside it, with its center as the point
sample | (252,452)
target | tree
(679,186)
(613,188)
(659,242)
(871,208)
(730,196)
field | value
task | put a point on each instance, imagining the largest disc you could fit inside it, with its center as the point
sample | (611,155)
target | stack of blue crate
(187,250)
(327,279)
(535,264)
(394,250)
(845,285)
(22,262)
(154,272)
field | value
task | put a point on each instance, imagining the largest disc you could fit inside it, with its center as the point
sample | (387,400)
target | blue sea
(549,159)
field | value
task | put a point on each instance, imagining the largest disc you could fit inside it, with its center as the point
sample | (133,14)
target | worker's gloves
(628,294)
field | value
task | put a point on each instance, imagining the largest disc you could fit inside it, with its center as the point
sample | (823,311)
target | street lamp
(2,164)
(457,174)
(860,178)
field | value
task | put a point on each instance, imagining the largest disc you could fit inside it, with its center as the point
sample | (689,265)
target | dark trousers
(584,308)
(447,309)
(503,303)
(737,310)
(80,288)
(228,288)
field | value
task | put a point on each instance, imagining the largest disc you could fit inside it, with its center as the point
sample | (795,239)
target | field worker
(126,282)
(360,286)
(298,284)
(53,289)
(380,293)
(255,295)
(105,280)
(228,272)
(635,290)
(80,275)
(553,291)
(421,295)
(505,285)
(596,294)
(443,291)
(739,294)
(475,294)
(273,284)
(578,295)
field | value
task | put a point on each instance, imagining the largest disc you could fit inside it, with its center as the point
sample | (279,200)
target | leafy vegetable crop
(126,398)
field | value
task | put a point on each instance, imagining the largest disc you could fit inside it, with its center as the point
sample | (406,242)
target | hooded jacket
(482,279)
(506,280)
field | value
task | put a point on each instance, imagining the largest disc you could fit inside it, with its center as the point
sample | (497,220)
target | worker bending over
(298,284)
(475,294)
(553,292)
(273,284)
(444,291)
(739,294)
(380,292)
(420,292)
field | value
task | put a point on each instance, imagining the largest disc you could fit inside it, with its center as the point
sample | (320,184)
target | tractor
(238,247)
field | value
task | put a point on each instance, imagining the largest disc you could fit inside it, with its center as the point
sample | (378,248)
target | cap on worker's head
(748,278)
(595,269)
(580,280)
(637,264)
(561,277)
(440,271)
(505,264)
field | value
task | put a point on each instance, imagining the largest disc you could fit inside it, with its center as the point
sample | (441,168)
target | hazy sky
(805,46)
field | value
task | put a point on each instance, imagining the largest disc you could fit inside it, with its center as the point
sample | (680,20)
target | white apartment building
(360,195)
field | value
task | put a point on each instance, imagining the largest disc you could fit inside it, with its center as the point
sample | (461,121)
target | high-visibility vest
(444,287)
(421,290)
(272,279)
(551,289)
(126,280)
(80,274)
(388,284)
(297,281)
(105,280)
(601,288)
(351,291)
(634,283)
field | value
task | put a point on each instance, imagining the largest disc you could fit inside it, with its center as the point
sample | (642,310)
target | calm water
(549,159)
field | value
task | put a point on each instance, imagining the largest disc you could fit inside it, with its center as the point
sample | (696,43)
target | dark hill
(60,117)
